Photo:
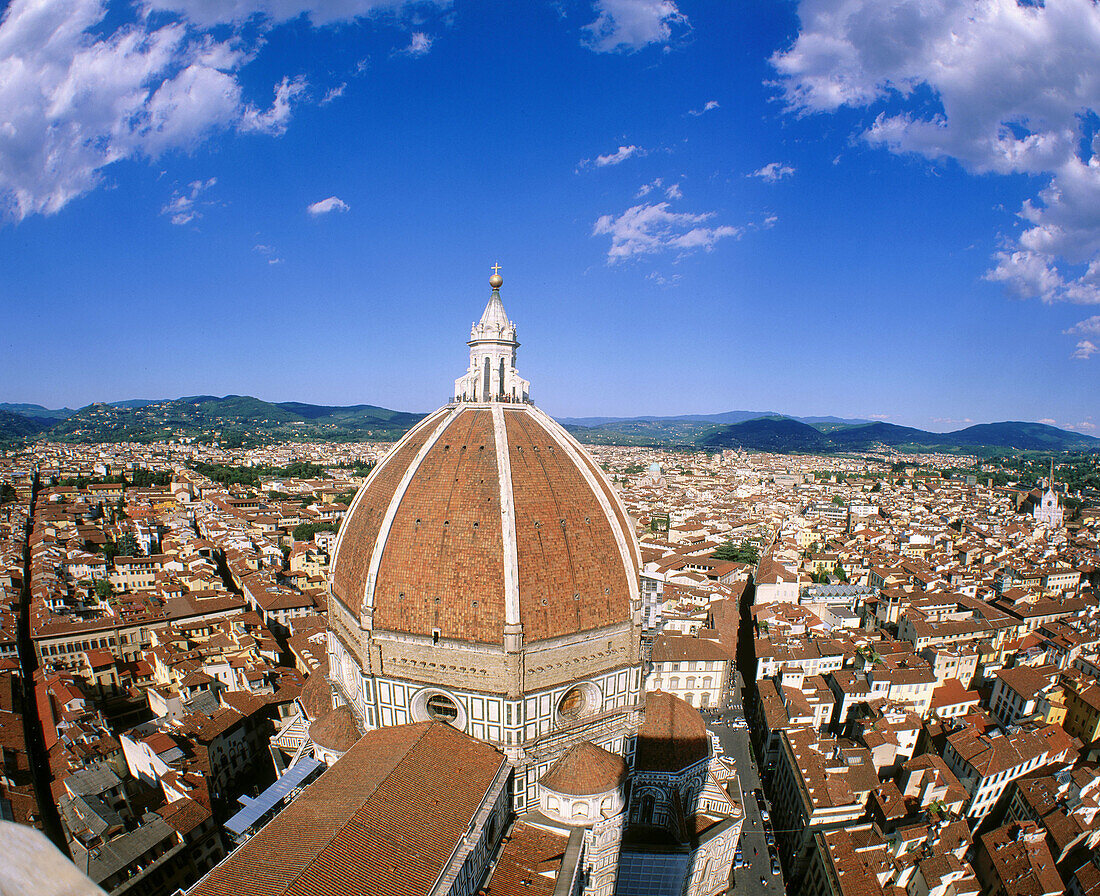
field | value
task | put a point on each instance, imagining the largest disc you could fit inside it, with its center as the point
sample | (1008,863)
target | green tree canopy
(306,531)
(737,553)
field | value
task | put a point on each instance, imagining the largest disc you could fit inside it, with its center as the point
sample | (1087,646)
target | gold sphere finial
(496,280)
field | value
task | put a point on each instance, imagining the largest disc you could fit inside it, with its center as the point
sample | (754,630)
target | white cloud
(1000,86)
(623,26)
(78,97)
(661,280)
(772,172)
(208,13)
(1047,421)
(646,229)
(674,192)
(334,93)
(324,206)
(419,44)
(1085,349)
(646,189)
(274,121)
(185,207)
(1090,326)
(83,86)
(268,252)
(710,106)
(619,156)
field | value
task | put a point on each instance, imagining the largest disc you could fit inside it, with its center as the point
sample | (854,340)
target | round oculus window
(441,708)
(572,703)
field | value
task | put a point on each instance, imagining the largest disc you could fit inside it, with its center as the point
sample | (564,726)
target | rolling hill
(240,420)
(16,427)
(230,419)
(780,433)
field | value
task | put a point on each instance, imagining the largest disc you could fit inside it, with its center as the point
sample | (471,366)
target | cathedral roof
(316,697)
(336,730)
(386,819)
(485,516)
(585,769)
(673,736)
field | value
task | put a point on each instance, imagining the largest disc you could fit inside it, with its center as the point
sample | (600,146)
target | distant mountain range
(241,420)
(232,419)
(724,417)
(785,434)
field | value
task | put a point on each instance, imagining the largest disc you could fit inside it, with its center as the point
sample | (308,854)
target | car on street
(764,881)
(769,837)
(739,855)
(775,864)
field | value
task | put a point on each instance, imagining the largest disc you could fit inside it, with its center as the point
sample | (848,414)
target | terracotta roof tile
(585,769)
(528,864)
(335,730)
(672,737)
(383,820)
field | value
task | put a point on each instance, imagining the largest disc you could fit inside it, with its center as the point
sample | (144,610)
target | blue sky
(872,208)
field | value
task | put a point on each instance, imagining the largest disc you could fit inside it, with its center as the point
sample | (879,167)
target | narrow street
(32,724)
(735,744)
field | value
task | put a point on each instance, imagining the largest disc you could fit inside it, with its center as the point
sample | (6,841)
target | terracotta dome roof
(585,769)
(482,516)
(316,697)
(672,737)
(336,730)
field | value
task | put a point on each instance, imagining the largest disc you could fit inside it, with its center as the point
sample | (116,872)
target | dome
(673,736)
(336,730)
(584,770)
(487,515)
(316,697)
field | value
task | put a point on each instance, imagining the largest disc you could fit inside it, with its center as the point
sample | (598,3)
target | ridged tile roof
(336,730)
(585,769)
(448,535)
(383,820)
(673,736)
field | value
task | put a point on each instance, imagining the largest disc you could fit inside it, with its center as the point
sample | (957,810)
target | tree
(7,493)
(306,531)
(838,501)
(128,546)
(737,553)
(103,589)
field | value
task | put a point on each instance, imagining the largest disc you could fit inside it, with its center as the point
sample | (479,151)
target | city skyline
(302,201)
